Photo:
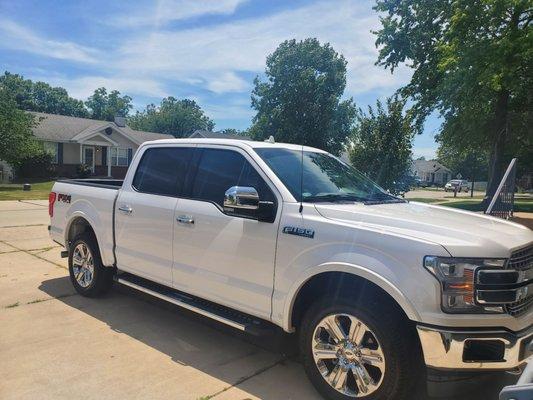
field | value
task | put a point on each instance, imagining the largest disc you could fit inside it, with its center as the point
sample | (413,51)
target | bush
(83,171)
(36,166)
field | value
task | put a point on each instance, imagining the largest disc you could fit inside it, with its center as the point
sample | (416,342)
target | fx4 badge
(292,230)
(65,198)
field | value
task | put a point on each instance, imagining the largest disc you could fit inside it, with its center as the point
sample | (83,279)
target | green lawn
(13,191)
(521,204)
(425,200)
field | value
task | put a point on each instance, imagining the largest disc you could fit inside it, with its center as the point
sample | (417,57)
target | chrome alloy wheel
(348,355)
(83,265)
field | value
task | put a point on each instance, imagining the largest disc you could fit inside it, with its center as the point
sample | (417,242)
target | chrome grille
(519,307)
(521,260)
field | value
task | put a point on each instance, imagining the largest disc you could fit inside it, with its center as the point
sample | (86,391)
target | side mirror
(241,198)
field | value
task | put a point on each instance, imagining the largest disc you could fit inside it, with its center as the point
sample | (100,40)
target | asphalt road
(55,344)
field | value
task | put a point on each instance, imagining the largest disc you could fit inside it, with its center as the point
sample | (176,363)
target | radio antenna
(302,180)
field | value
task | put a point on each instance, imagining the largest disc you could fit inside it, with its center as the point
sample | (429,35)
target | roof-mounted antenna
(302,180)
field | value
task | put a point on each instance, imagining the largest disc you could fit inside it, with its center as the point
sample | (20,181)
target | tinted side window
(218,170)
(162,171)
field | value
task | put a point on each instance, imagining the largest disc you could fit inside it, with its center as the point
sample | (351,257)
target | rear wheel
(359,351)
(88,276)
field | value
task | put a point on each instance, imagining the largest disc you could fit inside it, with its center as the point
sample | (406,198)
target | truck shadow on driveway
(265,367)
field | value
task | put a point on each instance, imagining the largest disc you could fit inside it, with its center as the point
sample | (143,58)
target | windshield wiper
(383,198)
(333,197)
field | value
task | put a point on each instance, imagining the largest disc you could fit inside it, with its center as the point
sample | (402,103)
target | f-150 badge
(293,230)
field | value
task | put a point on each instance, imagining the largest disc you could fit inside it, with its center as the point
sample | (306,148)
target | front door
(222,257)
(145,213)
(88,157)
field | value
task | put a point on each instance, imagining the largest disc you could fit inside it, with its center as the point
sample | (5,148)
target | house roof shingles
(62,128)
(429,166)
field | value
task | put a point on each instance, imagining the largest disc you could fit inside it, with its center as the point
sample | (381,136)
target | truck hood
(462,233)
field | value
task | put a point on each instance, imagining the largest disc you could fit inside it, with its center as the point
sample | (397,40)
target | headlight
(456,276)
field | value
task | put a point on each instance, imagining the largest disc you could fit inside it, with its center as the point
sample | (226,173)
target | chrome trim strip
(443,349)
(183,305)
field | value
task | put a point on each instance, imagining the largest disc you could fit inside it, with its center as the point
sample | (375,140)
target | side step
(233,318)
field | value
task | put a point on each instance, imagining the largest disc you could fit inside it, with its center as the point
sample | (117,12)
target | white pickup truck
(259,234)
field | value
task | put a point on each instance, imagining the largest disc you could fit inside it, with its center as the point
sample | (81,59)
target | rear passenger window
(162,171)
(218,170)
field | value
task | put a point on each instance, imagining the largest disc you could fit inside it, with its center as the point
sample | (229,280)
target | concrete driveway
(55,344)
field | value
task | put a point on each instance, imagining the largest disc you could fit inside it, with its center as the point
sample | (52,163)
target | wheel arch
(327,278)
(79,223)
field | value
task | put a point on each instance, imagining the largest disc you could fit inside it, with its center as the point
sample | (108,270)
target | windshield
(325,178)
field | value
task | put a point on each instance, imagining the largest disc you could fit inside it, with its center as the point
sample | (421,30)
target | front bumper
(475,349)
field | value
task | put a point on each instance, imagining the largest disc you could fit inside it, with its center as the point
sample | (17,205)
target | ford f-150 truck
(259,234)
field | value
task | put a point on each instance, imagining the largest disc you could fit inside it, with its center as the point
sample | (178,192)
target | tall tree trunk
(499,136)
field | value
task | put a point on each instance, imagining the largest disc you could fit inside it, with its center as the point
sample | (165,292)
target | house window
(52,149)
(119,157)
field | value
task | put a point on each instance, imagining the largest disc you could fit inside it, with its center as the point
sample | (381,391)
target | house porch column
(109,161)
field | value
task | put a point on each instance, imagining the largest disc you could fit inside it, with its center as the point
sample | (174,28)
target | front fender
(352,269)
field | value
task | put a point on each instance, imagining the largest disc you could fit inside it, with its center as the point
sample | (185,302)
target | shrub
(83,171)
(36,166)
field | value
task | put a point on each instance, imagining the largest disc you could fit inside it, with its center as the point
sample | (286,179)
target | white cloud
(174,10)
(17,37)
(227,82)
(231,110)
(81,88)
(201,53)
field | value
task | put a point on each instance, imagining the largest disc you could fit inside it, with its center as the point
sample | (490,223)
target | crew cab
(259,234)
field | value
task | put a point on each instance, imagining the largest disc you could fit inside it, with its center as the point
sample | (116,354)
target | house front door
(88,157)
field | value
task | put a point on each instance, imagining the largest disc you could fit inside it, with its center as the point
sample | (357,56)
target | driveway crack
(245,378)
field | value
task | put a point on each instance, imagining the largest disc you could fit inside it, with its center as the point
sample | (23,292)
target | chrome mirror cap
(241,197)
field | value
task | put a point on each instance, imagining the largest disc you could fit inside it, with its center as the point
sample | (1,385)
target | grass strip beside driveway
(13,191)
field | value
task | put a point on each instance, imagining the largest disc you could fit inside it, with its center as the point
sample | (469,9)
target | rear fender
(83,209)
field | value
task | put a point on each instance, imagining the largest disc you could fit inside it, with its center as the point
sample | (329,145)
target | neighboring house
(198,134)
(431,172)
(106,147)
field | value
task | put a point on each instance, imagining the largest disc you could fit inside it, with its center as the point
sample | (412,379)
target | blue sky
(207,50)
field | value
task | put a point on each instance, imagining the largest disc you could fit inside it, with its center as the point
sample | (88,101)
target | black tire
(405,374)
(102,277)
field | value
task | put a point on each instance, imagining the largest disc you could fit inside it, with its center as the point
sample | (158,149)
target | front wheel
(359,351)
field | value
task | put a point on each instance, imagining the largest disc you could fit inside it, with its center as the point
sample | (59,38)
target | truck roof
(234,142)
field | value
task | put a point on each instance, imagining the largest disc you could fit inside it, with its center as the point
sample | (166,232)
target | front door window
(88,157)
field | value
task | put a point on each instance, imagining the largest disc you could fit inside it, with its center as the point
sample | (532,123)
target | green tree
(381,143)
(471,163)
(16,139)
(40,96)
(179,118)
(106,106)
(472,62)
(300,100)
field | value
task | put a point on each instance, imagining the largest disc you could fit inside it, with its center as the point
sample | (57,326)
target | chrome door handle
(185,219)
(126,209)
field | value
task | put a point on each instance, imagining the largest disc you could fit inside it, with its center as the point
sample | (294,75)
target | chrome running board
(227,316)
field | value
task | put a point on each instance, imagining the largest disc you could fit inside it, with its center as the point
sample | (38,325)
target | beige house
(431,172)
(105,147)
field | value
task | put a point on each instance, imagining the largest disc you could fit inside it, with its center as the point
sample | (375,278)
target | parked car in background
(459,184)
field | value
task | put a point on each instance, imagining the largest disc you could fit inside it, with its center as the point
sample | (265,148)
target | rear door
(145,212)
(220,256)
